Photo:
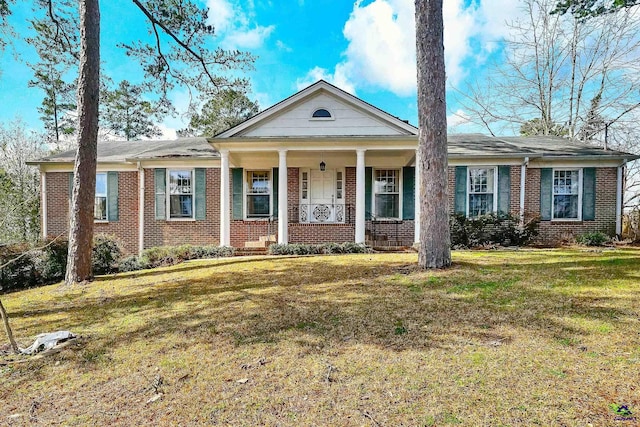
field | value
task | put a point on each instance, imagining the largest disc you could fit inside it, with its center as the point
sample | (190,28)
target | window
(321,113)
(305,185)
(566,194)
(258,194)
(481,190)
(339,185)
(387,193)
(180,194)
(100,205)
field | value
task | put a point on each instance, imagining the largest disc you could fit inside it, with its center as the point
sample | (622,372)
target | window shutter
(112,196)
(200,193)
(546,193)
(160,181)
(408,192)
(368,179)
(236,177)
(504,189)
(589,194)
(460,203)
(274,191)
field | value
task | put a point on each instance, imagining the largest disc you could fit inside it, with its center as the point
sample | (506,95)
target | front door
(322,195)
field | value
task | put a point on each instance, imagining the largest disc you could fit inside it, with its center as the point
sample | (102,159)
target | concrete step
(269,238)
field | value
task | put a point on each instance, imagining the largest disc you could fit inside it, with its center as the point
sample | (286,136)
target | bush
(20,273)
(492,229)
(593,239)
(130,263)
(51,261)
(325,248)
(105,254)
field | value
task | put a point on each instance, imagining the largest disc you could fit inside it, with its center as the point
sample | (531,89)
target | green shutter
(112,196)
(504,189)
(589,194)
(237,179)
(201,193)
(408,192)
(70,184)
(275,181)
(368,181)
(460,202)
(546,195)
(160,181)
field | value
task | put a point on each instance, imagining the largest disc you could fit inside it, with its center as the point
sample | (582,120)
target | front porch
(358,195)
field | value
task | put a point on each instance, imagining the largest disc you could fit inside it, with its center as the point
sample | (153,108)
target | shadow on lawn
(321,302)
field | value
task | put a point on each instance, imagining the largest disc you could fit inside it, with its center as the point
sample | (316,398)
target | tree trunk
(435,241)
(84,172)
(7,329)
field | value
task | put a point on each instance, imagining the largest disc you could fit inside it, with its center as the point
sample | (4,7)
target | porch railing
(322,213)
(261,228)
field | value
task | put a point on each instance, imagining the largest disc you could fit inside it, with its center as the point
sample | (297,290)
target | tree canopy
(590,8)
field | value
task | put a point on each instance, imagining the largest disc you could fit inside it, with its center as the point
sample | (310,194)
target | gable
(293,117)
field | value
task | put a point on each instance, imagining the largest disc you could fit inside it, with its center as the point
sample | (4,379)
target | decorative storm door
(322,196)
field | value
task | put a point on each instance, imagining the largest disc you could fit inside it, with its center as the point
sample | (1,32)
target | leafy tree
(223,111)
(128,115)
(537,127)
(435,241)
(591,8)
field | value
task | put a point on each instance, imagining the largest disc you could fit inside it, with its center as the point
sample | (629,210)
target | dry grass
(502,338)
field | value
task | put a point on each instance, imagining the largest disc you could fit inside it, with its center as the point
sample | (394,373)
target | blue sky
(364,47)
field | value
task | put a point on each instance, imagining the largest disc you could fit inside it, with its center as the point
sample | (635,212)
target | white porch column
(619,197)
(225,200)
(283,219)
(416,202)
(140,209)
(43,202)
(360,196)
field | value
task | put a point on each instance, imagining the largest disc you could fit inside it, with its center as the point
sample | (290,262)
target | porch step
(250,251)
(262,242)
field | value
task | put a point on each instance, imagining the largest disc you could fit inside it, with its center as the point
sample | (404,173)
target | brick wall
(125,229)
(553,232)
(196,232)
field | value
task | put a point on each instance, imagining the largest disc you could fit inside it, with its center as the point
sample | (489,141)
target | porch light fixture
(323,166)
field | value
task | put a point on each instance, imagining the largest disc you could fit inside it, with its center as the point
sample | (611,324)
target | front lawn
(531,337)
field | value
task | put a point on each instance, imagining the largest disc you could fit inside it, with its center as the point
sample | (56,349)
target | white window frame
(374,193)
(106,198)
(246,194)
(553,194)
(321,118)
(193,194)
(494,208)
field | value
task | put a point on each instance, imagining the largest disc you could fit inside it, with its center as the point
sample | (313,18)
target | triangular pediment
(348,116)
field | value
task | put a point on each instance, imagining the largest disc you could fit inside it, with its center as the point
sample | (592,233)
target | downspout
(523,180)
(619,196)
(140,209)
(43,202)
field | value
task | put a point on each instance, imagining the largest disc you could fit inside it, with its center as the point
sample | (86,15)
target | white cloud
(282,46)
(381,41)
(233,23)
(339,78)
(458,118)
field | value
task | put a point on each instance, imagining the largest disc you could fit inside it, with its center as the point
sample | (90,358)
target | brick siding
(207,231)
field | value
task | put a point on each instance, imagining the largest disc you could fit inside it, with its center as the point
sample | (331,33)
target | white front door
(322,187)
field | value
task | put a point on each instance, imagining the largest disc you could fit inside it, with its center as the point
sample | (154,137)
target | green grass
(539,337)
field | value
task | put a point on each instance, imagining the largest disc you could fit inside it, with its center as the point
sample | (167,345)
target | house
(325,166)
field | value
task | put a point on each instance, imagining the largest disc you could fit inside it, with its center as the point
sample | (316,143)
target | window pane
(257,205)
(180,206)
(101,184)
(180,182)
(480,204)
(100,209)
(258,182)
(386,181)
(565,206)
(387,205)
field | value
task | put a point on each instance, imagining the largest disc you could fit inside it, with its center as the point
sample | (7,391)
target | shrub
(20,273)
(105,254)
(51,261)
(491,229)
(593,239)
(325,248)
(131,263)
